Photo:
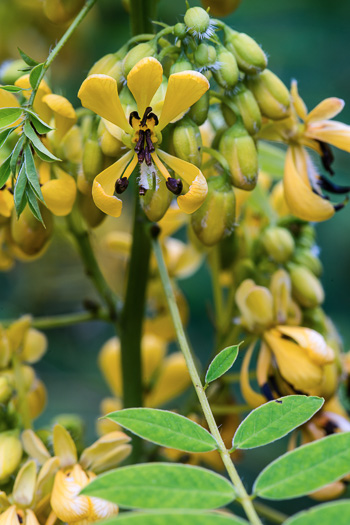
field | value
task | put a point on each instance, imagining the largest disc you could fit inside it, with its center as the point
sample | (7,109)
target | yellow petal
(280,286)
(6,202)
(9,517)
(143,81)
(59,194)
(71,147)
(40,107)
(108,405)
(17,331)
(259,301)
(111,459)
(109,361)
(252,398)
(172,381)
(24,487)
(182,259)
(100,94)
(64,114)
(34,346)
(300,198)
(34,447)
(198,190)
(64,446)
(313,343)
(153,349)
(8,100)
(297,101)
(172,221)
(97,453)
(31,518)
(65,502)
(184,89)
(46,478)
(37,397)
(327,109)
(263,365)
(104,185)
(333,132)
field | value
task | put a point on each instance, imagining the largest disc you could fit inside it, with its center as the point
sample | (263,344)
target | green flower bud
(137,53)
(91,213)
(199,111)
(271,94)
(315,318)
(197,21)
(307,237)
(157,198)
(205,55)
(28,233)
(238,148)
(306,288)
(5,390)
(180,30)
(227,73)
(215,219)
(309,260)
(249,55)
(75,426)
(187,141)
(228,114)
(181,64)
(248,108)
(244,269)
(109,65)
(279,243)
(92,159)
(11,70)
(10,454)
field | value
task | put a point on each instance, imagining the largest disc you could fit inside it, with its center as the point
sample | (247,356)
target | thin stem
(23,406)
(217,156)
(59,321)
(272,514)
(79,18)
(225,456)
(142,12)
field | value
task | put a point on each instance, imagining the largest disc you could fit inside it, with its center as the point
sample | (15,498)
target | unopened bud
(215,219)
(248,108)
(180,30)
(92,159)
(5,390)
(61,11)
(306,288)
(205,55)
(306,237)
(227,73)
(221,7)
(181,64)
(197,21)
(238,148)
(91,213)
(249,55)
(110,145)
(109,65)
(10,454)
(75,426)
(271,94)
(157,199)
(278,243)
(137,53)
(29,234)
(199,111)
(306,258)
(187,141)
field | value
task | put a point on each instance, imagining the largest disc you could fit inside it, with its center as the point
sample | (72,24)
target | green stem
(272,514)
(142,12)
(225,456)
(217,156)
(23,407)
(79,18)
(59,321)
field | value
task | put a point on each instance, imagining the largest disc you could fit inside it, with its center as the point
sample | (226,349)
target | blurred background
(305,39)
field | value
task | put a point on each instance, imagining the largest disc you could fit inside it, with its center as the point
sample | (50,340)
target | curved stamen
(327,156)
(330,186)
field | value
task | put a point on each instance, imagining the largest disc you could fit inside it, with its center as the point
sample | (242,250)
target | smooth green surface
(9,116)
(12,89)
(42,151)
(271,159)
(175,518)
(162,486)
(4,136)
(275,419)
(221,363)
(335,513)
(305,469)
(165,428)
(5,171)
(31,173)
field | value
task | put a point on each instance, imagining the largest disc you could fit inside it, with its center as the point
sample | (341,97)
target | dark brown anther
(3,187)
(327,156)
(154,116)
(141,156)
(341,205)
(149,141)
(330,186)
(145,115)
(121,185)
(20,519)
(148,158)
(140,143)
(142,191)
(155,230)
(133,114)
(174,185)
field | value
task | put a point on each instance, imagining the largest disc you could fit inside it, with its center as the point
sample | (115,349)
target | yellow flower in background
(142,132)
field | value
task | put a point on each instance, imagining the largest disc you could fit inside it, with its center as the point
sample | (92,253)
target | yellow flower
(141,132)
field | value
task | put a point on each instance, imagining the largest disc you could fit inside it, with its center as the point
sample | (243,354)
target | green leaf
(327,514)
(5,171)
(179,517)
(271,159)
(4,136)
(221,363)
(41,127)
(12,89)
(16,153)
(41,150)
(35,74)
(20,187)
(9,115)
(162,486)
(165,428)
(33,204)
(275,419)
(31,172)
(30,61)
(305,469)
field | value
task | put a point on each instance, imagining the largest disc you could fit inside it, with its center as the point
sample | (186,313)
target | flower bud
(187,141)
(137,53)
(271,95)
(249,55)
(61,11)
(180,30)
(306,288)
(92,159)
(238,148)
(10,454)
(205,55)
(199,111)
(309,260)
(248,108)
(5,390)
(156,201)
(197,21)
(181,64)
(215,219)
(227,73)
(91,213)
(306,237)
(109,65)
(28,234)
(11,70)
(279,243)
(221,7)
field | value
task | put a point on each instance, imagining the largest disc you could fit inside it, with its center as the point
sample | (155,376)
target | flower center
(144,134)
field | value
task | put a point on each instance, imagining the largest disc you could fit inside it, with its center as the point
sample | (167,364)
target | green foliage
(30,61)
(165,428)
(9,115)
(221,363)
(305,469)
(274,420)
(31,173)
(41,127)
(328,514)
(175,518)
(41,150)
(12,89)
(4,135)
(20,187)
(162,486)
(35,74)
(5,171)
